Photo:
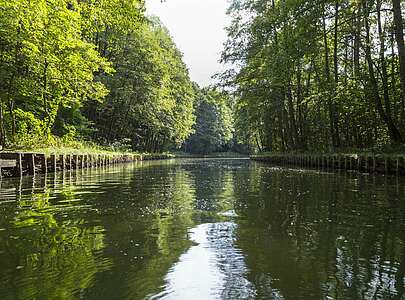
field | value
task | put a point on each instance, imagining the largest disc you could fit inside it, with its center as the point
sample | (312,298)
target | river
(202,229)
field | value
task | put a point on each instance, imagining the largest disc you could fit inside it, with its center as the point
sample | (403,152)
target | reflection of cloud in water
(212,269)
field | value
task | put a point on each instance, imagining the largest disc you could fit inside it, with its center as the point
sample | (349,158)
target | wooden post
(62,158)
(31,163)
(19,165)
(44,163)
(54,162)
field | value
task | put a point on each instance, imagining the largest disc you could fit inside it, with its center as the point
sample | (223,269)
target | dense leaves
(215,125)
(95,70)
(317,75)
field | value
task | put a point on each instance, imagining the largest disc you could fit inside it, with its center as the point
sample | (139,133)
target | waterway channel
(202,229)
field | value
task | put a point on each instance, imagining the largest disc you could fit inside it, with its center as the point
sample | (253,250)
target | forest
(95,71)
(306,76)
(318,76)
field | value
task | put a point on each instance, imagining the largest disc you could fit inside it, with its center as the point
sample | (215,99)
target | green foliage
(92,70)
(214,127)
(151,102)
(305,78)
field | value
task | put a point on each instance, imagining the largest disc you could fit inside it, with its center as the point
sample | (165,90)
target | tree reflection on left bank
(48,250)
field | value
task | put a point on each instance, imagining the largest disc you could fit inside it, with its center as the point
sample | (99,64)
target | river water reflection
(202,229)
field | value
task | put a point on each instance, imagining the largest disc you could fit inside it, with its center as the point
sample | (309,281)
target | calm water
(202,229)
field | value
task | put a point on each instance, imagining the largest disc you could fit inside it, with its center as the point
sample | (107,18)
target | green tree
(45,64)
(214,128)
(317,76)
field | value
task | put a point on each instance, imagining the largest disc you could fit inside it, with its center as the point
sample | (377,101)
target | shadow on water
(202,229)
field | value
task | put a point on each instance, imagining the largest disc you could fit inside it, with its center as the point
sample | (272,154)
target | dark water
(202,229)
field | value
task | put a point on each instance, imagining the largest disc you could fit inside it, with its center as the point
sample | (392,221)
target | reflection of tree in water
(46,256)
(132,221)
(116,234)
(315,236)
(147,232)
(213,183)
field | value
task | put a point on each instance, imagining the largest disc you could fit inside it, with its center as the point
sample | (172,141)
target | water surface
(202,229)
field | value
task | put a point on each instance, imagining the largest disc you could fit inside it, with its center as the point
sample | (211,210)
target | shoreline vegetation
(76,148)
(363,162)
(19,164)
(105,72)
(317,76)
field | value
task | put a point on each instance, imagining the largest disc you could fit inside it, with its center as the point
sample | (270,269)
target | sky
(198,29)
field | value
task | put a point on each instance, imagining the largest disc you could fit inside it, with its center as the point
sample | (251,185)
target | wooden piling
(44,163)
(62,162)
(54,163)
(358,162)
(34,163)
(19,165)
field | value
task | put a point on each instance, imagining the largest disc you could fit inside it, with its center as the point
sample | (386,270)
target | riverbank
(18,164)
(361,162)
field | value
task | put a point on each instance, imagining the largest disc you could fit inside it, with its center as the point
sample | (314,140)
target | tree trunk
(393,132)
(2,130)
(10,106)
(336,71)
(301,133)
(356,50)
(328,84)
(291,112)
(384,75)
(258,144)
(13,121)
(399,36)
